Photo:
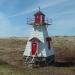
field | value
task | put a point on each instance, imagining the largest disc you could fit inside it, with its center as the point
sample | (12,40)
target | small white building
(39,46)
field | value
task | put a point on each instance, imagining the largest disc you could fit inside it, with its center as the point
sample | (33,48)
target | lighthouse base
(39,60)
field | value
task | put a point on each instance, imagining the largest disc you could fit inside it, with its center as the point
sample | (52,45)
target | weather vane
(39,8)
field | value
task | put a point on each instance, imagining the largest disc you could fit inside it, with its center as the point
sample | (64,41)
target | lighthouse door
(34,48)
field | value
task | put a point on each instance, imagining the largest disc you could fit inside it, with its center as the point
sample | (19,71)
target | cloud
(8,2)
(22,13)
(2,1)
(63,27)
(4,23)
(43,4)
(7,29)
(8,6)
(48,3)
(63,19)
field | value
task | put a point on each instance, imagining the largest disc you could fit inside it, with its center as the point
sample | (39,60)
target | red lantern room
(39,18)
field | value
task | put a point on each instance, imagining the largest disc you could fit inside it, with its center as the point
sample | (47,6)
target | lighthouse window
(37,17)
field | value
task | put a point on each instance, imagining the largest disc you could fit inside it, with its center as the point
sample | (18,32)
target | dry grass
(11,51)
(64,48)
(6,69)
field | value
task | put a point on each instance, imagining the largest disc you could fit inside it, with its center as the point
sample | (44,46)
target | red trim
(34,47)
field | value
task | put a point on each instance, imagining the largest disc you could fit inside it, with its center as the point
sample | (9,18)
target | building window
(48,39)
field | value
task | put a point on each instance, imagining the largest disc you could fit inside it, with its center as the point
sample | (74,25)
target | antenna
(39,8)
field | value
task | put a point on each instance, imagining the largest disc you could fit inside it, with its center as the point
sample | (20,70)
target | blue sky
(14,14)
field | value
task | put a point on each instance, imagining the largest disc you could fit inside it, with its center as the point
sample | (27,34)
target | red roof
(39,12)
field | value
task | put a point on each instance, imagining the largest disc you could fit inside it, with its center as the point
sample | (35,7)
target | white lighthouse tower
(39,46)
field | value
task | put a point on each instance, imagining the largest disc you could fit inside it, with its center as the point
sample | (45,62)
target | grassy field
(12,62)
(6,69)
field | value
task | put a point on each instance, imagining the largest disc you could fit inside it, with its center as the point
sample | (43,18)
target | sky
(14,14)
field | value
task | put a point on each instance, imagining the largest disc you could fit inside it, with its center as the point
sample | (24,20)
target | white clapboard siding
(43,50)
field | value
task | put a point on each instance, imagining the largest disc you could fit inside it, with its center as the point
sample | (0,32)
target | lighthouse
(39,47)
